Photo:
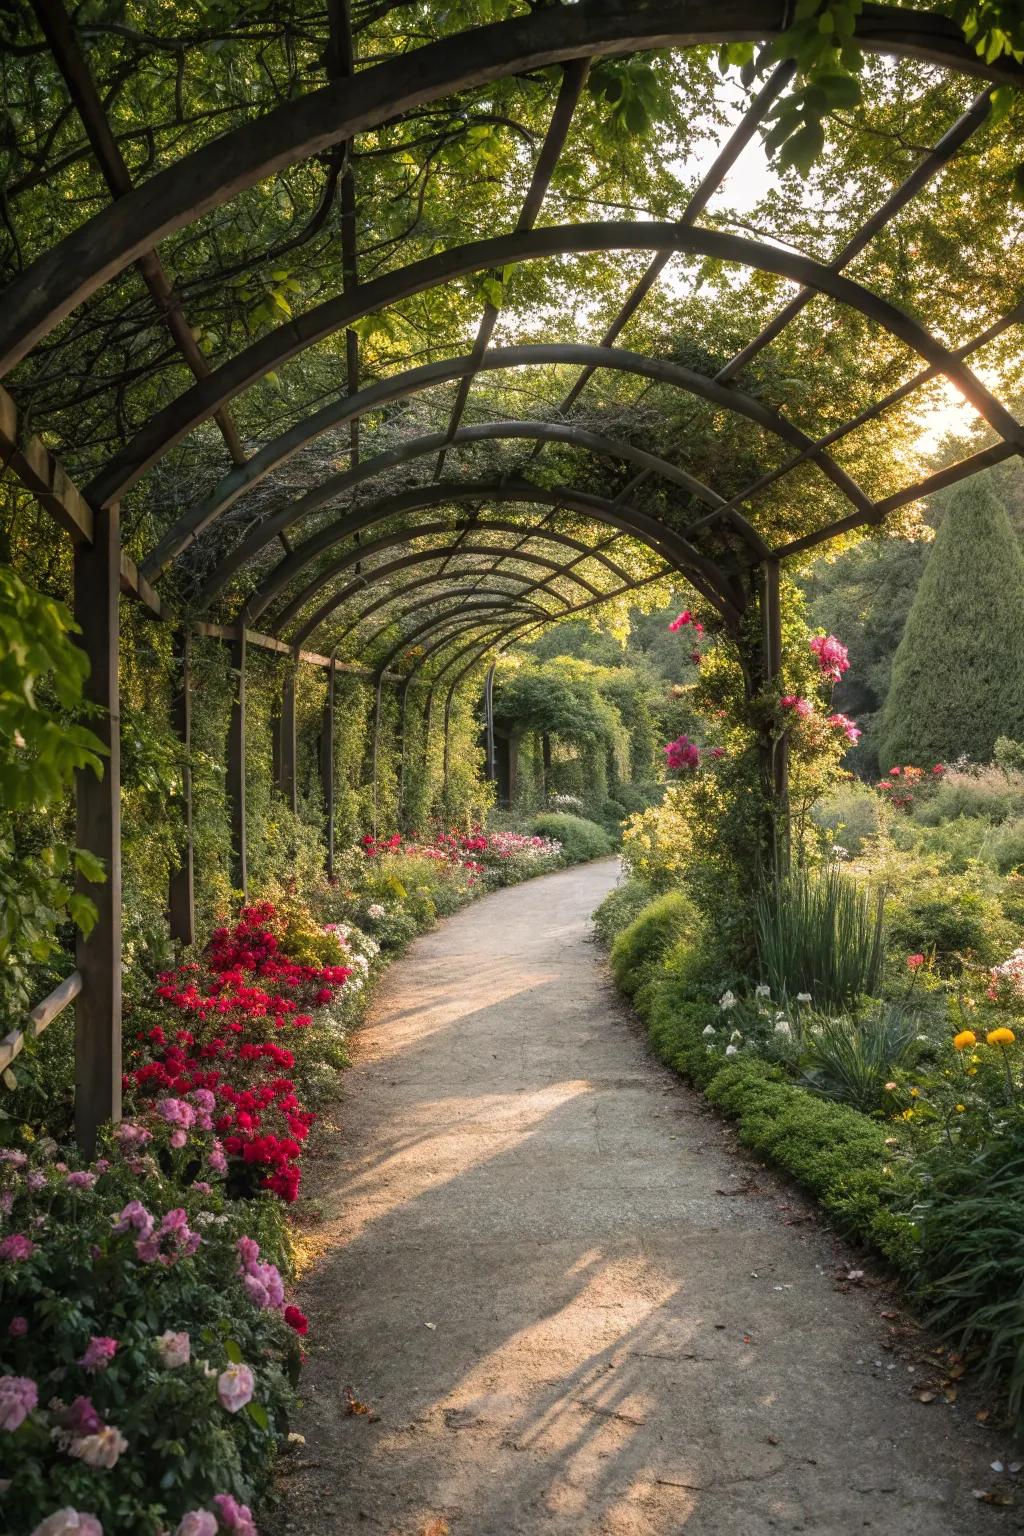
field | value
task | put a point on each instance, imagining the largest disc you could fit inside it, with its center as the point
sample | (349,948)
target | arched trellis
(207,178)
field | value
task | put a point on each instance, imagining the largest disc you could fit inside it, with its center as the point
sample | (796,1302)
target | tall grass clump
(819,932)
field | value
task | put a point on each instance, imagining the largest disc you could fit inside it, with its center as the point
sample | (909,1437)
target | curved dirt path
(537,1273)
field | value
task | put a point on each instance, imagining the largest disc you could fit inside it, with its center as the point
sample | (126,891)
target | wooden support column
(287,743)
(327,762)
(97,586)
(181,906)
(375,744)
(778,755)
(492,766)
(236,769)
(403,700)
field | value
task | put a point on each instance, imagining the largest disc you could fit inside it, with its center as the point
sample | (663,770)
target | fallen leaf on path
(1001,1500)
(438,1526)
(354,1407)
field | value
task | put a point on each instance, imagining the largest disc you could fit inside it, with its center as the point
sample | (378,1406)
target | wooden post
(375,744)
(492,766)
(97,585)
(778,763)
(327,761)
(181,906)
(403,698)
(236,769)
(287,743)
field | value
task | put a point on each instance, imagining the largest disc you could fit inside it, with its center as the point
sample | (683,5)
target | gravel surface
(569,1302)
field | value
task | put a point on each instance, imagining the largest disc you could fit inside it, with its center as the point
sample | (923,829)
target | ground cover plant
(860,1014)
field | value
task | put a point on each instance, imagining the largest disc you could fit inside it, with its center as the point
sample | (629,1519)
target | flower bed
(151,1353)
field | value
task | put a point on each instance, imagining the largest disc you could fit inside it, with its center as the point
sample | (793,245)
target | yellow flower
(965,1038)
(915,1093)
(908,1114)
(1001,1036)
(959,1108)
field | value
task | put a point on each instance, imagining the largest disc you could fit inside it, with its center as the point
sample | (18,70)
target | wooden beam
(236,769)
(97,586)
(39,472)
(39,1017)
(222,169)
(181,905)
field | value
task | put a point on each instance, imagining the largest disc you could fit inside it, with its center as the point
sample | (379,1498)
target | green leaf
(232,1351)
(258,1414)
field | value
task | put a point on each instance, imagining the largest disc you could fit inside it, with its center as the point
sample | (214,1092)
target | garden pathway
(570,1304)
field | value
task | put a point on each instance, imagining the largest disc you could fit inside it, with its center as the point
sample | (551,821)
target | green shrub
(958,673)
(611,815)
(988,793)
(852,815)
(971,1226)
(1009,754)
(852,1060)
(619,908)
(580,839)
(835,1152)
(639,947)
(822,933)
(954,921)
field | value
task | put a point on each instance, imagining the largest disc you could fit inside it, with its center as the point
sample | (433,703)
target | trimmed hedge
(580,839)
(837,1154)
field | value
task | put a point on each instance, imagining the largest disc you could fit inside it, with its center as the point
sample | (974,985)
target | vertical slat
(181,906)
(779,764)
(236,770)
(492,766)
(375,745)
(287,745)
(97,583)
(403,699)
(327,762)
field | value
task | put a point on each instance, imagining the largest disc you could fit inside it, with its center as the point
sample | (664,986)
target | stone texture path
(537,1273)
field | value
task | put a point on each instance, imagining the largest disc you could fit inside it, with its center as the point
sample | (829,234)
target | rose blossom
(80,1179)
(69,1522)
(198,1522)
(234,1517)
(174,1349)
(99,1352)
(101,1449)
(17,1247)
(18,1397)
(235,1387)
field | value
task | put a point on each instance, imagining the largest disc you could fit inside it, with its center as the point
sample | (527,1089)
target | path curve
(532,1277)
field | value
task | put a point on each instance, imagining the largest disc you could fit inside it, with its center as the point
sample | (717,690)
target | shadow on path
(535,1275)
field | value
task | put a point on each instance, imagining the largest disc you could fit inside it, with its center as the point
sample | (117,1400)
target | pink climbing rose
(833,658)
(98,1354)
(842,723)
(800,707)
(686,617)
(18,1397)
(235,1387)
(682,753)
(69,1522)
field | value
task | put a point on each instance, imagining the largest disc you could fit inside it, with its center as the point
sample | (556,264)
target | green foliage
(42,745)
(1008,754)
(620,907)
(954,922)
(580,839)
(642,944)
(851,816)
(958,674)
(835,1152)
(987,793)
(819,932)
(852,1060)
(970,1219)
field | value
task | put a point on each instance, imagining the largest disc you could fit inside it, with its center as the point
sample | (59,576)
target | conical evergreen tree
(958,673)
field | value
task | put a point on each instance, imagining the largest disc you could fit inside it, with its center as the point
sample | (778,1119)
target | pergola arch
(461,614)
(646,530)
(211,175)
(271,528)
(353,407)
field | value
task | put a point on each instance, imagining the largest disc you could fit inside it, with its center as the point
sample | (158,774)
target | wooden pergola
(351,550)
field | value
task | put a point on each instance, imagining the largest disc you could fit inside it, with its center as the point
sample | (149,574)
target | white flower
(731,1050)
(101,1449)
(762,990)
(735,1036)
(783,1028)
(709,1030)
(727,1000)
(173,1348)
(376,911)
(803,997)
